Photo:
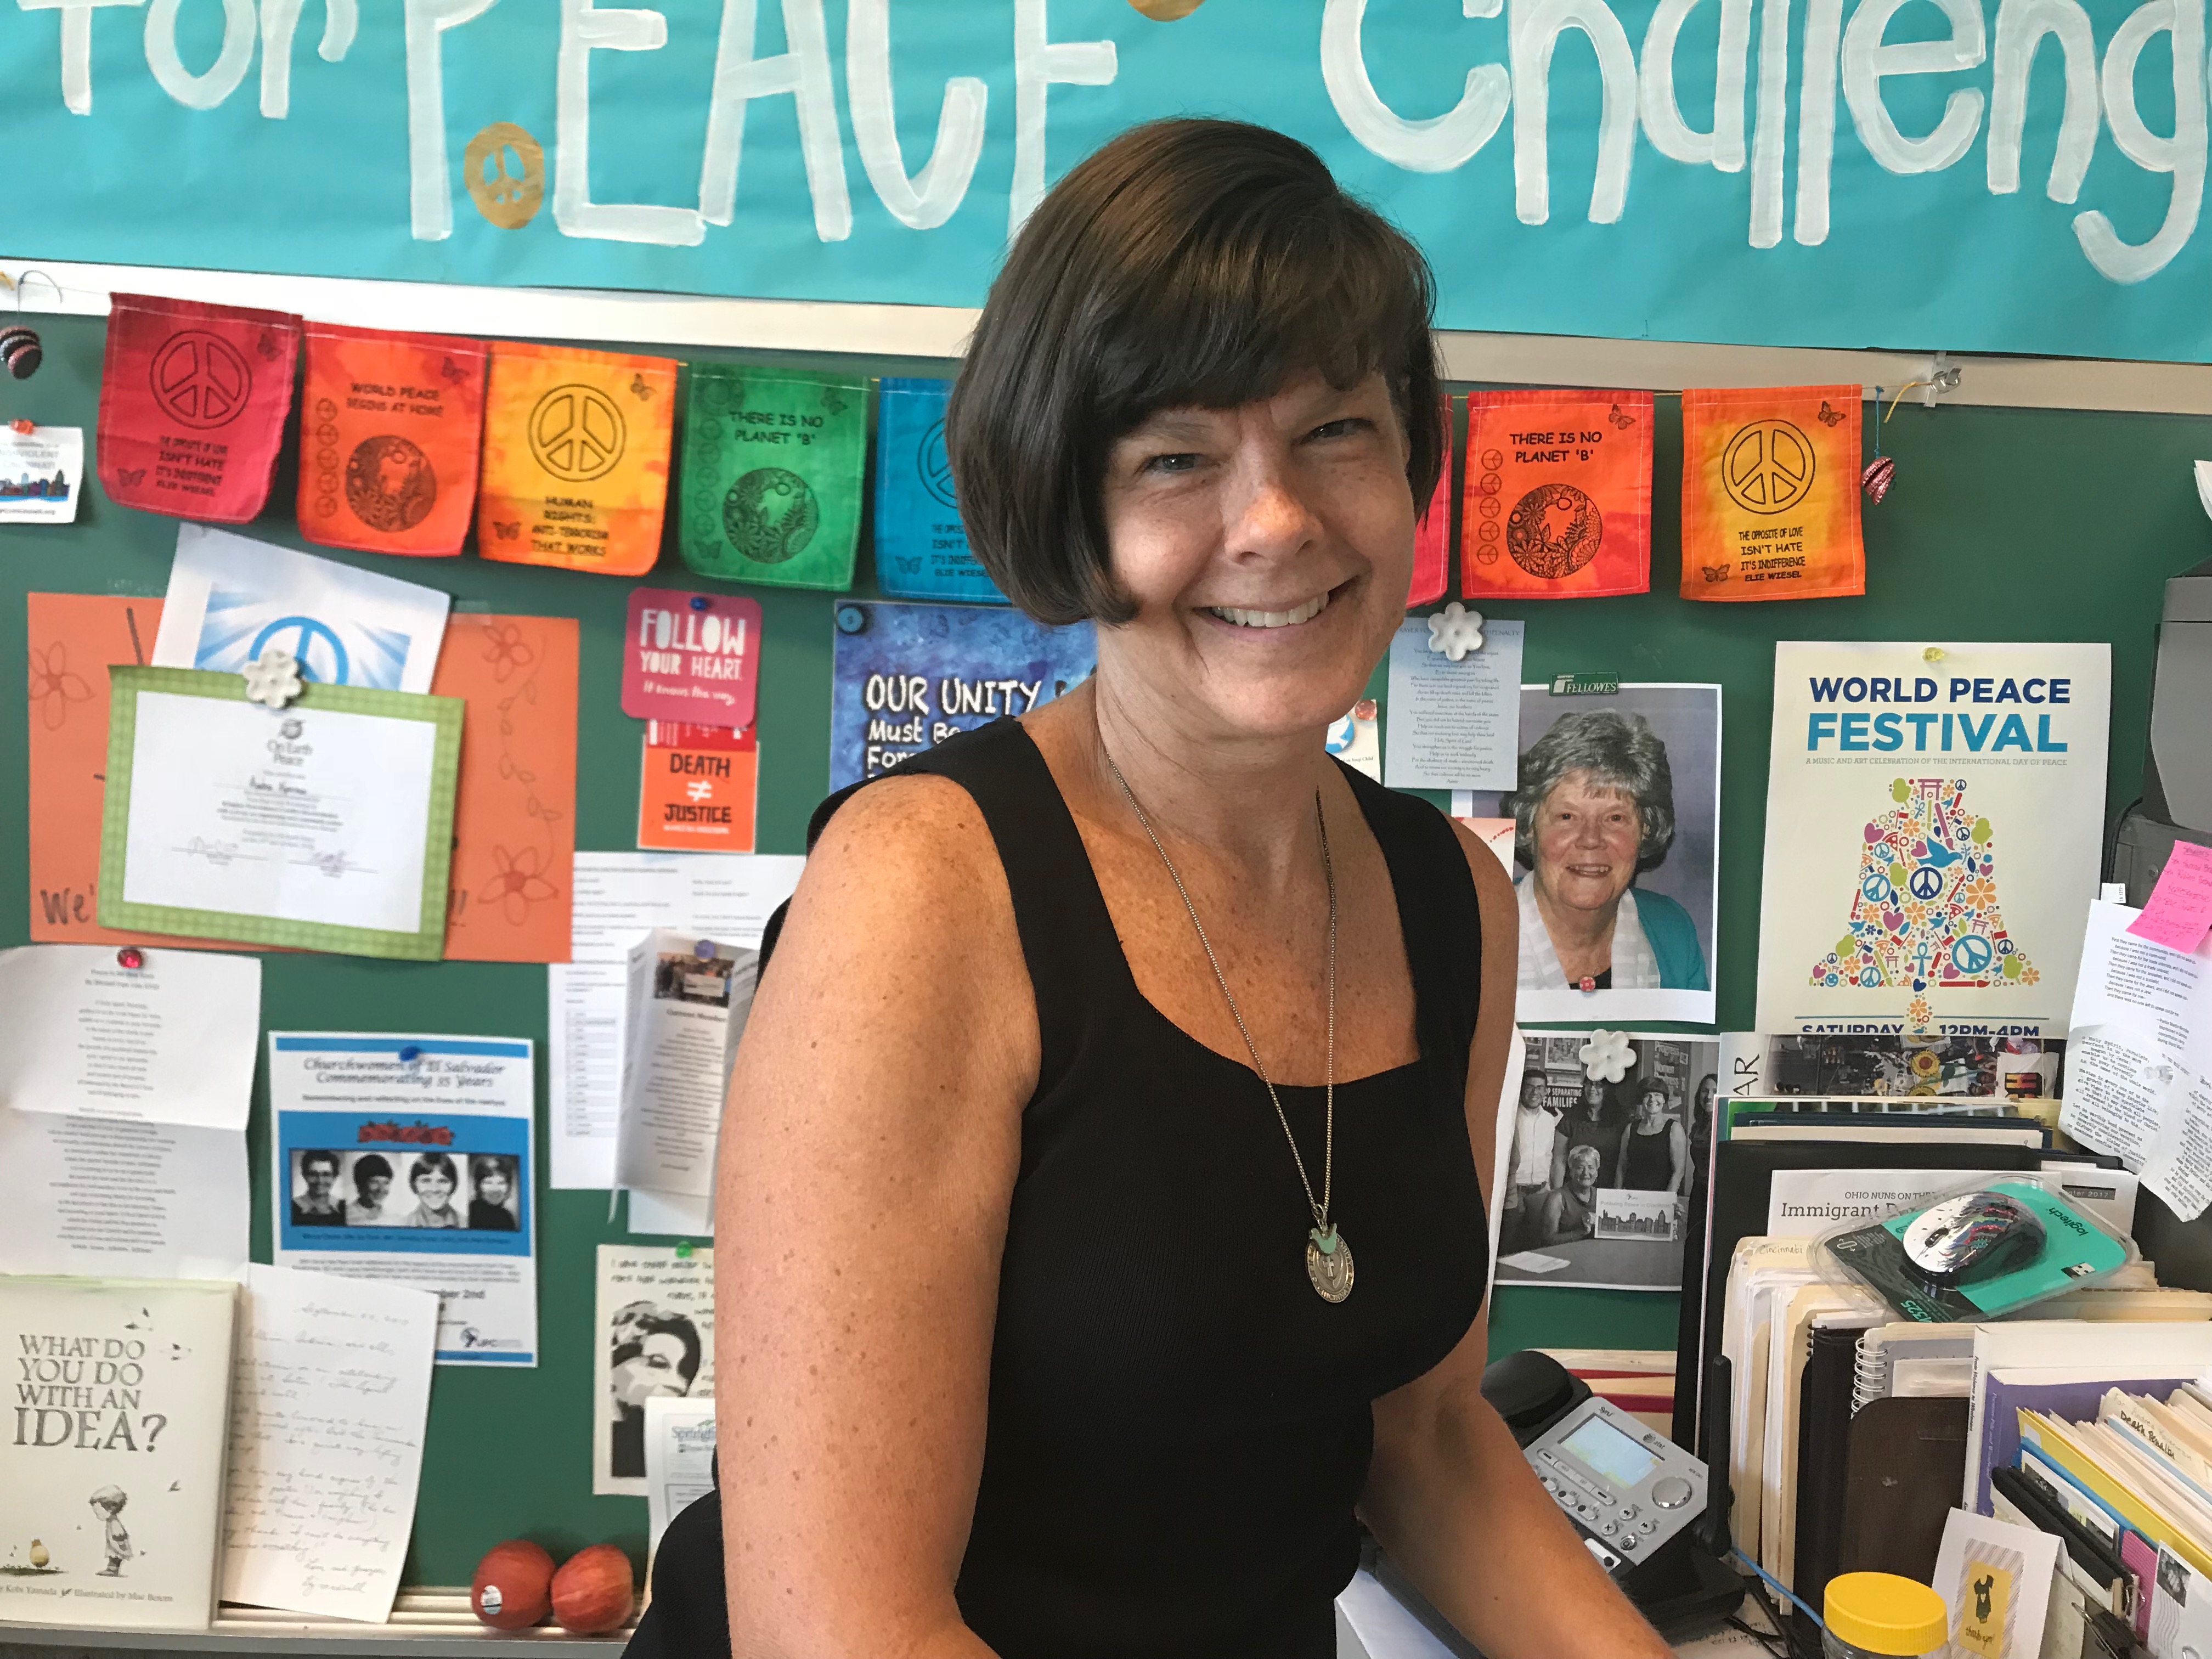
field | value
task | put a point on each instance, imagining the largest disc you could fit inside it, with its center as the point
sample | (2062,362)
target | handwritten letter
(330,1388)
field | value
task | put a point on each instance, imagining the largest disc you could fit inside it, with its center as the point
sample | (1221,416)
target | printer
(2177,797)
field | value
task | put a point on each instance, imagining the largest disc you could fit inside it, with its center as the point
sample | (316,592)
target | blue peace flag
(921,546)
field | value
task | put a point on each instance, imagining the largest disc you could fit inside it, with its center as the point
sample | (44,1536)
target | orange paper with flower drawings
(1558,495)
(513,821)
(575,458)
(1770,494)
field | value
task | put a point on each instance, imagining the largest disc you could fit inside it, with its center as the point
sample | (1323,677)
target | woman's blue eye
(1183,461)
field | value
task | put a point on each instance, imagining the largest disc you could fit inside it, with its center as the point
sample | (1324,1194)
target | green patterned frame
(426,945)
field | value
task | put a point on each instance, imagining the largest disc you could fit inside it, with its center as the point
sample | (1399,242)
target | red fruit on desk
(513,1585)
(594,1591)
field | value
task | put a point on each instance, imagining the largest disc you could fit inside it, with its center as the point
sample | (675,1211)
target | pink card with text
(692,657)
(2180,913)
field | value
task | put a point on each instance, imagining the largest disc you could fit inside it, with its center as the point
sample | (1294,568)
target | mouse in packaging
(1974,1236)
(1986,1252)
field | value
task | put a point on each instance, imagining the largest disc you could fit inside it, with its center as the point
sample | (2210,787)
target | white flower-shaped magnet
(272,679)
(1607,1055)
(1455,630)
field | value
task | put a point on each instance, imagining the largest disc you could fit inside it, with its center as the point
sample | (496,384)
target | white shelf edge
(940,332)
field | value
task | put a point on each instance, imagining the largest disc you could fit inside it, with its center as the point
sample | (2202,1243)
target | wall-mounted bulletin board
(2004,524)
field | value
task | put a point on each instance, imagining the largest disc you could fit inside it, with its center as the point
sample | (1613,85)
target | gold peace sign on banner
(201,379)
(576,433)
(1767,467)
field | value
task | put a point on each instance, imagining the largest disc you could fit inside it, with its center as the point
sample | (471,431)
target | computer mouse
(1973,1236)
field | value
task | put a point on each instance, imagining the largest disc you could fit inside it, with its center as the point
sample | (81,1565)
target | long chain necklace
(1328,1255)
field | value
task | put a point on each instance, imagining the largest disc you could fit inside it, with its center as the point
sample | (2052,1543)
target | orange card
(696,788)
(1558,495)
(1770,494)
(513,822)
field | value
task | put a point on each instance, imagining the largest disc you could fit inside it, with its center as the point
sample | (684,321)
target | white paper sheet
(1454,724)
(171,1040)
(327,827)
(1995,1580)
(1805,1203)
(679,1459)
(618,898)
(110,1197)
(41,474)
(330,1394)
(444,1123)
(230,597)
(2139,1058)
(685,1010)
(671,1215)
(653,1337)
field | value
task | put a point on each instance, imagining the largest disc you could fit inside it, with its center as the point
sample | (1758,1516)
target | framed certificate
(325,825)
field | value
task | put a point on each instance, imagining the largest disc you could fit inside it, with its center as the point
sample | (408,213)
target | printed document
(1454,724)
(410,1160)
(619,898)
(687,1006)
(123,1095)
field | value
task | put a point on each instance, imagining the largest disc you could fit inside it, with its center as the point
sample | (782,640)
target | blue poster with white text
(922,546)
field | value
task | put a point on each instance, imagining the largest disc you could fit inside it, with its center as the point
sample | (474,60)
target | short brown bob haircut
(1185,263)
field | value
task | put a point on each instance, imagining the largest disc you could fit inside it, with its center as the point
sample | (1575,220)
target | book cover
(110,1464)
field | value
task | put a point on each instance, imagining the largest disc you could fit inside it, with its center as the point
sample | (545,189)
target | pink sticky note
(692,657)
(2180,913)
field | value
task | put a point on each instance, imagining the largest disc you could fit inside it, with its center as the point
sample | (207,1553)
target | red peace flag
(1432,537)
(193,400)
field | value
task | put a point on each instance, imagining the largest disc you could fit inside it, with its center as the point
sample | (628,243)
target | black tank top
(1178,1425)
(1650,1161)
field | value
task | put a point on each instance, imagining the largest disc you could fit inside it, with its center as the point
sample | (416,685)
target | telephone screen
(1600,1446)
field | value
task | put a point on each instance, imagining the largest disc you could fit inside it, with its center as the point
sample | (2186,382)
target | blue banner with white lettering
(922,546)
(1987,175)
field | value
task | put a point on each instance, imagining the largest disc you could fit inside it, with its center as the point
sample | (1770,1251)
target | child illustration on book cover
(108,1502)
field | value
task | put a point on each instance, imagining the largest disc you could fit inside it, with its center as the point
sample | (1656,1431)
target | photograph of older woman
(1570,1213)
(656,1353)
(1044,1343)
(1655,1151)
(433,1181)
(493,1207)
(1595,1122)
(370,1205)
(1594,810)
(314,1190)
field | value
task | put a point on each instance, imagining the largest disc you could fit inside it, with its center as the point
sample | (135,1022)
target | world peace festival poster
(1935,819)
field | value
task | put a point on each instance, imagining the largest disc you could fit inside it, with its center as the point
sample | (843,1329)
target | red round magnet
(130,957)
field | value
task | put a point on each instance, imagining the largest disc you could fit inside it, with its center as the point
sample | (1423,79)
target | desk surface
(1617,1263)
(429,1623)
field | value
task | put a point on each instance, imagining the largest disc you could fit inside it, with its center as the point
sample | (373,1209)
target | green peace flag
(773,464)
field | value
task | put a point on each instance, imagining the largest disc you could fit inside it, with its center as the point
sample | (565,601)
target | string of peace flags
(557,455)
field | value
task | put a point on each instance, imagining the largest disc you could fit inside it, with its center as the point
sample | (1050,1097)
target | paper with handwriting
(330,1390)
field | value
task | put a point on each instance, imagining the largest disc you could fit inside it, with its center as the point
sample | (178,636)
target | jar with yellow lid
(1879,1615)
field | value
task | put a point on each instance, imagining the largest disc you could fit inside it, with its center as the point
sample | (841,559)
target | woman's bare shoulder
(1493,886)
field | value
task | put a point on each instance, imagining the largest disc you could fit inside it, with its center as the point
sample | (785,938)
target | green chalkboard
(2003,525)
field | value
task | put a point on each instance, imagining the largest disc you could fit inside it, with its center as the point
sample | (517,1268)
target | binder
(1903,1461)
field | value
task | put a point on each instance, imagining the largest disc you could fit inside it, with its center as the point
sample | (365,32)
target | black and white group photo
(1608,1129)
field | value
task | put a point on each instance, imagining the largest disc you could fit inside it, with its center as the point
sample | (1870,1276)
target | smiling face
(1268,549)
(320,1174)
(492,1187)
(433,1186)
(1587,833)
(373,1189)
(1582,1168)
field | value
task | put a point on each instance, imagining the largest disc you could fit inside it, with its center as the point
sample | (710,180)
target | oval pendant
(1329,1264)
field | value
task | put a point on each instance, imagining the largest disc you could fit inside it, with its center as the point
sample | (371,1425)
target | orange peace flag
(575,458)
(1770,494)
(388,439)
(1558,495)
(1432,535)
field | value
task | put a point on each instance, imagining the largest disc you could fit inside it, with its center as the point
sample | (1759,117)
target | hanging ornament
(21,349)
(1880,472)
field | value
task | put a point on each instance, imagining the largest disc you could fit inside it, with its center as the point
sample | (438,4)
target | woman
(1570,1213)
(1051,1340)
(1655,1153)
(1595,1123)
(318,1205)
(1594,810)
(372,1185)
(433,1181)
(489,1209)
(655,1354)
(1701,1122)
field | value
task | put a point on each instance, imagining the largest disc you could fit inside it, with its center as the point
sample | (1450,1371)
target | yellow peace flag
(1770,494)
(575,458)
